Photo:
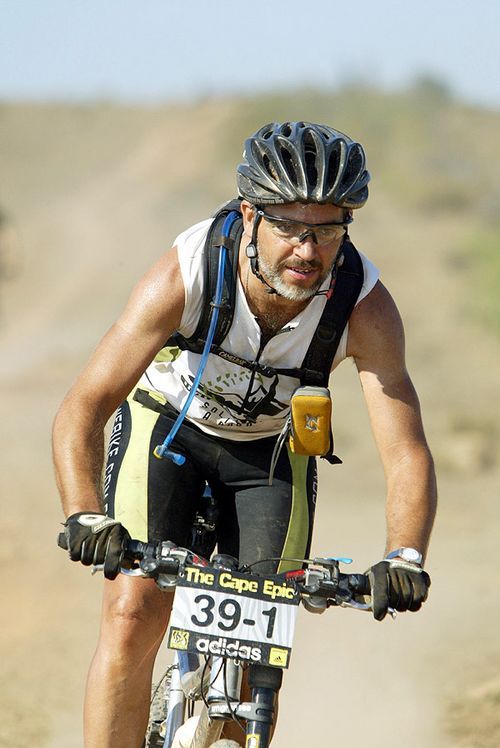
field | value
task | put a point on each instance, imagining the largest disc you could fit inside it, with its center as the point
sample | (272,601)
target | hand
(399,585)
(96,539)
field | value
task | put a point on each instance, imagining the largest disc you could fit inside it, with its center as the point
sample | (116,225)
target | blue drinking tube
(163,450)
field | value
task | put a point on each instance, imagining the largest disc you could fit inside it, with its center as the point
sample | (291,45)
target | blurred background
(121,123)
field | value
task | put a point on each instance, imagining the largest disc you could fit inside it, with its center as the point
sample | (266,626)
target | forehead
(307,212)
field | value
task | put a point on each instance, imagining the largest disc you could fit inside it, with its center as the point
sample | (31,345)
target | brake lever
(363,606)
(129,572)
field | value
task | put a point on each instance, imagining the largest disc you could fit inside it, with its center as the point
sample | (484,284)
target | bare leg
(134,618)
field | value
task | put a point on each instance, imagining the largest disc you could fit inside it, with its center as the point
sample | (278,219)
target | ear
(248,213)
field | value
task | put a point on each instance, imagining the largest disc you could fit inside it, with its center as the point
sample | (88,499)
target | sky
(151,51)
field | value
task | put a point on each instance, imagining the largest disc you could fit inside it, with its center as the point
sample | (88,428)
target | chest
(271,317)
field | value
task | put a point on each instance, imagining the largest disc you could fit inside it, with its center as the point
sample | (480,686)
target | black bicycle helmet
(305,163)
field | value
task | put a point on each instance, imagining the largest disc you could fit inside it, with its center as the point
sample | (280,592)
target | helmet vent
(332,169)
(288,164)
(268,166)
(353,168)
(311,170)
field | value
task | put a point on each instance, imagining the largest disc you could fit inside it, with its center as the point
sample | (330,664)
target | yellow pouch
(311,412)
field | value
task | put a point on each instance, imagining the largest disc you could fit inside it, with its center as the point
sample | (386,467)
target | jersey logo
(225,405)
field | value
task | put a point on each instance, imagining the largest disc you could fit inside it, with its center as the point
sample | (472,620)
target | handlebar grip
(360,584)
(136,549)
(61,541)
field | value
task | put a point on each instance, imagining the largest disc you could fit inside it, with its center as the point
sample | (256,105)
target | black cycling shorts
(156,499)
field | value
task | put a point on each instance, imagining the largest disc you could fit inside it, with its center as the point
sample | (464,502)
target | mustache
(302,265)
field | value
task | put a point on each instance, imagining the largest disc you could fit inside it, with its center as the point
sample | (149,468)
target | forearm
(78,451)
(411,500)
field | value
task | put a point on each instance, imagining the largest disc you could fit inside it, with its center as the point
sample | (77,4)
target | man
(299,184)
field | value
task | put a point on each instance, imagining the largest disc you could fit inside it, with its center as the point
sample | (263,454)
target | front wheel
(155,739)
(225,744)
(155,736)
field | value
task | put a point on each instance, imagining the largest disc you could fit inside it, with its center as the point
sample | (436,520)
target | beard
(273,275)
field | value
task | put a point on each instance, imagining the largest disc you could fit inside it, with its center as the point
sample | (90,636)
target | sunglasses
(294,232)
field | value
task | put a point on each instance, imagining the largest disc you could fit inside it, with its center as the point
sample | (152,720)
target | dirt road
(423,681)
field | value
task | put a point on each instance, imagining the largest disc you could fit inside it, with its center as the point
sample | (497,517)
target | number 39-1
(230,611)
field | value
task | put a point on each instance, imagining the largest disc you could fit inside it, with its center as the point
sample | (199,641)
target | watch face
(410,554)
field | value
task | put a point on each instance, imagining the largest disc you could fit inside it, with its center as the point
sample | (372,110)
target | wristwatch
(407,554)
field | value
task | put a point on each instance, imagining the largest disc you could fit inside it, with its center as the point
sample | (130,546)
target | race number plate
(226,613)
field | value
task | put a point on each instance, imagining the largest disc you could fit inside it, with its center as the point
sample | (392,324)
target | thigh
(259,521)
(153,498)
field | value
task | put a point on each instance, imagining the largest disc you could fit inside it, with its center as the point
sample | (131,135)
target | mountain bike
(228,620)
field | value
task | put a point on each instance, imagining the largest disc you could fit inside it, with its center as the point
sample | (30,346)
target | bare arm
(152,313)
(376,341)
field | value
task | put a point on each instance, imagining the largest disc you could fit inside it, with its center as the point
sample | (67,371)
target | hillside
(90,196)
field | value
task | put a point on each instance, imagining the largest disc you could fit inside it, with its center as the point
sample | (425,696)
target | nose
(307,246)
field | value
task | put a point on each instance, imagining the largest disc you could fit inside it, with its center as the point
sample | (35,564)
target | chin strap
(255,270)
(338,262)
(252,254)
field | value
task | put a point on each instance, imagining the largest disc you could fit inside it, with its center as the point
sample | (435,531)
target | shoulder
(190,241)
(370,274)
(157,300)
(376,330)
(161,294)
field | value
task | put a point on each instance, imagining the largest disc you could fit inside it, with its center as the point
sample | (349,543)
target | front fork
(223,696)
(259,714)
(265,683)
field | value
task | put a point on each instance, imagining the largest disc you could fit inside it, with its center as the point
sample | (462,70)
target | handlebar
(319,582)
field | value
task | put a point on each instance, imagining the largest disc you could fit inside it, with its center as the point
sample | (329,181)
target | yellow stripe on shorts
(131,494)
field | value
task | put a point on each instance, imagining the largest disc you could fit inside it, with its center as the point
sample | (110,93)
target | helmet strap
(252,254)
(338,261)
(255,270)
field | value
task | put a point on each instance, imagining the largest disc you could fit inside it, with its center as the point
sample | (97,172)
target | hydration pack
(347,280)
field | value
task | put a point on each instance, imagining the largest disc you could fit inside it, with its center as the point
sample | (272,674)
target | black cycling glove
(399,585)
(96,539)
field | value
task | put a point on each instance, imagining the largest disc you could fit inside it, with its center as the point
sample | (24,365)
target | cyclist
(299,184)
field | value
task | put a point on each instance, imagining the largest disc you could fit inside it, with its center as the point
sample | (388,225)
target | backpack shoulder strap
(211,263)
(346,287)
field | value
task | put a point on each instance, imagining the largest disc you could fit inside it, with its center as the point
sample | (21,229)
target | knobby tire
(158,712)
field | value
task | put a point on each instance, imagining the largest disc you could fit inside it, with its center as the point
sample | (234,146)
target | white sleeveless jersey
(233,402)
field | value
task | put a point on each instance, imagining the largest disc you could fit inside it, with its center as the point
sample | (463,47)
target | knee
(134,618)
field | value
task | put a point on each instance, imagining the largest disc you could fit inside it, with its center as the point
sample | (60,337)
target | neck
(271,310)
